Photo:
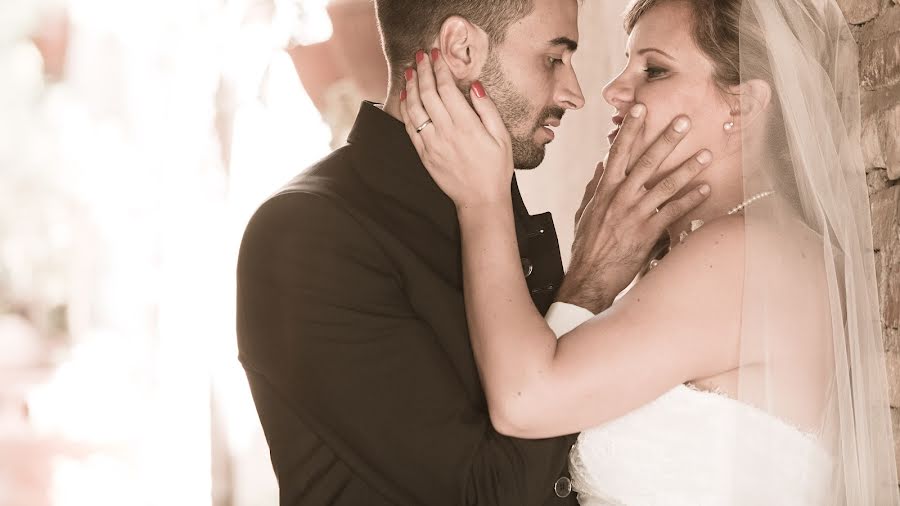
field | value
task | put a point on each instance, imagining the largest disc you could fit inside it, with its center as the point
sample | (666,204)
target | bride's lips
(612,135)
(617,121)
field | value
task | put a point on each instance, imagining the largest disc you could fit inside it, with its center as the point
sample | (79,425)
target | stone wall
(876,27)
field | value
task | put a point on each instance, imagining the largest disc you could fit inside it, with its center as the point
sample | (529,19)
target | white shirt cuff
(563,317)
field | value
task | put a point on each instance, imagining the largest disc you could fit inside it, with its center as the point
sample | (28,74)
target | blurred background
(137,138)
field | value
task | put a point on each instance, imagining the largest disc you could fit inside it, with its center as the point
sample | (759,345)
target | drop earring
(729,126)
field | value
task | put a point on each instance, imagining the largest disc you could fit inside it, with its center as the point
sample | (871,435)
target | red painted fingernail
(409,74)
(420,55)
(402,95)
(435,54)
(478,89)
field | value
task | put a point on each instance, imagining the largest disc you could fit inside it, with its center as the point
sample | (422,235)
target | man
(351,320)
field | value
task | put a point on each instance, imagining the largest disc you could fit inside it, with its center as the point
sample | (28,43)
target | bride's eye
(654,72)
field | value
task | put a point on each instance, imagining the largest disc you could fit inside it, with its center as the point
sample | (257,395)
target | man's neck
(392,105)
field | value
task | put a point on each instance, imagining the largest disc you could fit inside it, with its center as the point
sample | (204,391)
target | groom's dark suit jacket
(352,330)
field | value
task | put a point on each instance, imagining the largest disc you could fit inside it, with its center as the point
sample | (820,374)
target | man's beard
(516,113)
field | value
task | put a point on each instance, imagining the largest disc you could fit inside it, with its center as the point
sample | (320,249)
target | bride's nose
(619,93)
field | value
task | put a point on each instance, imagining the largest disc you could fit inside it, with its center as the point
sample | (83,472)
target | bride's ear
(751,99)
(464,47)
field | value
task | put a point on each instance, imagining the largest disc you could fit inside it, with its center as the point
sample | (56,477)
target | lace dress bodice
(690,447)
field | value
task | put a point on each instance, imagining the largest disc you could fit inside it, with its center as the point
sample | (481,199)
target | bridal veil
(809,254)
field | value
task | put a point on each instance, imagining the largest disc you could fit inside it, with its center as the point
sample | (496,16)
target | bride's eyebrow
(653,50)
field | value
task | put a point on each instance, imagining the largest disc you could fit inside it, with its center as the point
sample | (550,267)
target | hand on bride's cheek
(698,99)
(671,76)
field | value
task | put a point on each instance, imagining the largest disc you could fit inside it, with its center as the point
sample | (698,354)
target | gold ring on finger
(423,125)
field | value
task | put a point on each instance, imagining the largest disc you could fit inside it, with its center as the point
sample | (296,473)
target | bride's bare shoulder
(716,245)
(694,296)
(707,266)
(784,254)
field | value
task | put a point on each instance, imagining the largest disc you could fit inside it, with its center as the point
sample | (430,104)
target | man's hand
(621,220)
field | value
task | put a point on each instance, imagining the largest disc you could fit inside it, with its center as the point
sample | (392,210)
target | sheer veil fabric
(812,352)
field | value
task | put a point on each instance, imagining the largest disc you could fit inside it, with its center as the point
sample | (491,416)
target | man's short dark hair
(409,25)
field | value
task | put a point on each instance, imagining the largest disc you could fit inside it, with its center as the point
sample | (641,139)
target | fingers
(648,163)
(599,172)
(669,186)
(619,157)
(426,91)
(589,191)
(415,110)
(675,210)
(454,101)
(411,125)
(489,114)
(432,93)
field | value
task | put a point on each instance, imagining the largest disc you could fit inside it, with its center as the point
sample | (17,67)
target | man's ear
(751,99)
(464,47)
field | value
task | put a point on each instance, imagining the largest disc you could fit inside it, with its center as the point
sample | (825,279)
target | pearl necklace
(696,224)
(751,200)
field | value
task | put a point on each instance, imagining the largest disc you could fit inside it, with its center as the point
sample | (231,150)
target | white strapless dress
(691,447)
(684,449)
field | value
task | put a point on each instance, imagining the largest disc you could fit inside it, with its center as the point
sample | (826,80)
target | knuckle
(692,167)
(613,154)
(610,182)
(693,199)
(614,151)
(644,162)
(670,136)
(669,185)
(630,124)
(617,203)
(673,211)
(445,87)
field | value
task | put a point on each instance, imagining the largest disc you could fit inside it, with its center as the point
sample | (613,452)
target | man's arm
(325,323)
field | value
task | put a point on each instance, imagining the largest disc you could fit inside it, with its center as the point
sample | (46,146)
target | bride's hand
(467,152)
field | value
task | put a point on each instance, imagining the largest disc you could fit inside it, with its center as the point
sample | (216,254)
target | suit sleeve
(324,322)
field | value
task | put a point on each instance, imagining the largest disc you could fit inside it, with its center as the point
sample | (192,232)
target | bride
(746,366)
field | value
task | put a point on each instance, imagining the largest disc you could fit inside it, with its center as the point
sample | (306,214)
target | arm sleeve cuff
(563,317)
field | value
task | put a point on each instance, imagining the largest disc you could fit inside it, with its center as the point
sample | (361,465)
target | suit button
(527,267)
(563,487)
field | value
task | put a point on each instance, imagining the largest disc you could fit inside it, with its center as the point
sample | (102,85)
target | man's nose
(569,95)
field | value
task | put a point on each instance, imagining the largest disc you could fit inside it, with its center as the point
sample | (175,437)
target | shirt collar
(387,161)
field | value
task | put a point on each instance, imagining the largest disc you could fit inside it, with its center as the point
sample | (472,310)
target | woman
(747,366)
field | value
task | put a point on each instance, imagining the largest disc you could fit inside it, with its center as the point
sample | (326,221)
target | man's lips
(552,122)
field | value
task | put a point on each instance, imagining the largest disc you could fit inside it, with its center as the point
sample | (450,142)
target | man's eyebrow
(570,44)
(654,50)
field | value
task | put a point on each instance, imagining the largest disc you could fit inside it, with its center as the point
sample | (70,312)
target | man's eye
(653,72)
(554,61)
